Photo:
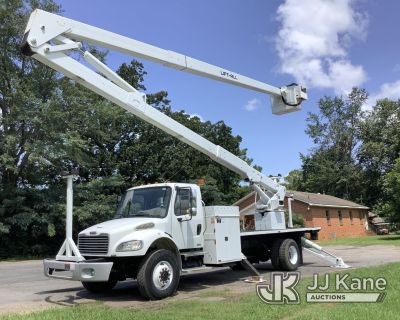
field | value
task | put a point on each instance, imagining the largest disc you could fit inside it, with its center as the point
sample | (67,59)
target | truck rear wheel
(285,255)
(100,287)
(158,275)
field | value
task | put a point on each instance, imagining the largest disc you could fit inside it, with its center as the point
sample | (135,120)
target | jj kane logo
(346,289)
(343,288)
(281,290)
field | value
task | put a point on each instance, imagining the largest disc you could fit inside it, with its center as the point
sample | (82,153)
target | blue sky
(327,45)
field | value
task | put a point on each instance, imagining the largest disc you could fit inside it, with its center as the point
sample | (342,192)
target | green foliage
(294,180)
(30,124)
(380,135)
(297,219)
(97,200)
(331,167)
(390,205)
(393,240)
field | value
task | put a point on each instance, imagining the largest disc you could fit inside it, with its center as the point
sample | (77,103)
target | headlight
(132,245)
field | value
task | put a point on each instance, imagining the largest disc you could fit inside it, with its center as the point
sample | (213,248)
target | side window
(328,217)
(340,217)
(351,217)
(182,202)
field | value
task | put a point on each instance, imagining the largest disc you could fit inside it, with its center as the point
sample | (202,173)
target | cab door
(187,218)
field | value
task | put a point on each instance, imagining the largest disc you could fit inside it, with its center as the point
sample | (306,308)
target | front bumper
(87,270)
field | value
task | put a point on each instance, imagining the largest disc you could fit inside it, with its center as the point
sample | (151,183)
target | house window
(328,217)
(340,217)
(351,217)
(361,217)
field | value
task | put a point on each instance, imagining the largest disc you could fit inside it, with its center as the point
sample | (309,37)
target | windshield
(150,202)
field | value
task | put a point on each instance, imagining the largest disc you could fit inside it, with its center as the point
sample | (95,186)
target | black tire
(289,255)
(166,263)
(100,287)
(285,255)
(265,258)
(275,254)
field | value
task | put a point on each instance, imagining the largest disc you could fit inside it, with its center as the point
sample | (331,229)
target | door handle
(198,229)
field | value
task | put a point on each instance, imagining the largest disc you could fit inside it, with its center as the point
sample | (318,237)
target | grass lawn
(243,306)
(393,239)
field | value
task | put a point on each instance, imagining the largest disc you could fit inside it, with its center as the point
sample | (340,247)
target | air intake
(93,245)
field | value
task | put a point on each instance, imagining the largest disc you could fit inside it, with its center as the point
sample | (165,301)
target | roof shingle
(318,199)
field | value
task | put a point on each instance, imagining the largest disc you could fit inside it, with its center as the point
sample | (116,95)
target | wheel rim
(293,255)
(162,275)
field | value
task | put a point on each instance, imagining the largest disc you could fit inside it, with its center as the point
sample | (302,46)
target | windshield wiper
(139,214)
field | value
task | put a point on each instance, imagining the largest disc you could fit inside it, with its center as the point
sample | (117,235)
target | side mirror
(192,210)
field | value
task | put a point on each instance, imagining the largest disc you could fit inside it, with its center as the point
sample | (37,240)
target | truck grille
(93,245)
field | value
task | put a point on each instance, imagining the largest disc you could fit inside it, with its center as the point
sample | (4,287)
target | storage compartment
(270,220)
(222,235)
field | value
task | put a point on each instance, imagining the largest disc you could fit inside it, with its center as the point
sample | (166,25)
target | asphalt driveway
(23,287)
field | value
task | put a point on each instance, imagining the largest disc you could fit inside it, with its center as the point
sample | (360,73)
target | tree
(389,206)
(380,148)
(26,100)
(294,180)
(26,94)
(331,167)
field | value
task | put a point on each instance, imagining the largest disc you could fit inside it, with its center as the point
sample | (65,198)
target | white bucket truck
(163,230)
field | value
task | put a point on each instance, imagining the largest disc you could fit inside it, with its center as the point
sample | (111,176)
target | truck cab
(159,231)
(173,211)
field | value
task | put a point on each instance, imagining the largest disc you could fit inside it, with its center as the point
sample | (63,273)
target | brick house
(337,217)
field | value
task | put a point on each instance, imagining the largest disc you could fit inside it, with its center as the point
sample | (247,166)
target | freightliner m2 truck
(162,231)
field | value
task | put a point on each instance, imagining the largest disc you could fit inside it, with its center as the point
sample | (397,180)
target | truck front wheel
(158,275)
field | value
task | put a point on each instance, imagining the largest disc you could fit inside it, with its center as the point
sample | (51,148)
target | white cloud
(313,42)
(390,90)
(252,104)
(196,115)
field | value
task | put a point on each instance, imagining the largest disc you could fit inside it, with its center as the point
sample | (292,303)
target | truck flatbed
(270,232)
(261,245)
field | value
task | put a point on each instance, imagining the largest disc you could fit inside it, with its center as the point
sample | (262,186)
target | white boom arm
(49,38)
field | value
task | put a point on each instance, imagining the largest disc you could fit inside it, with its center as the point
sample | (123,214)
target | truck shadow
(127,291)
